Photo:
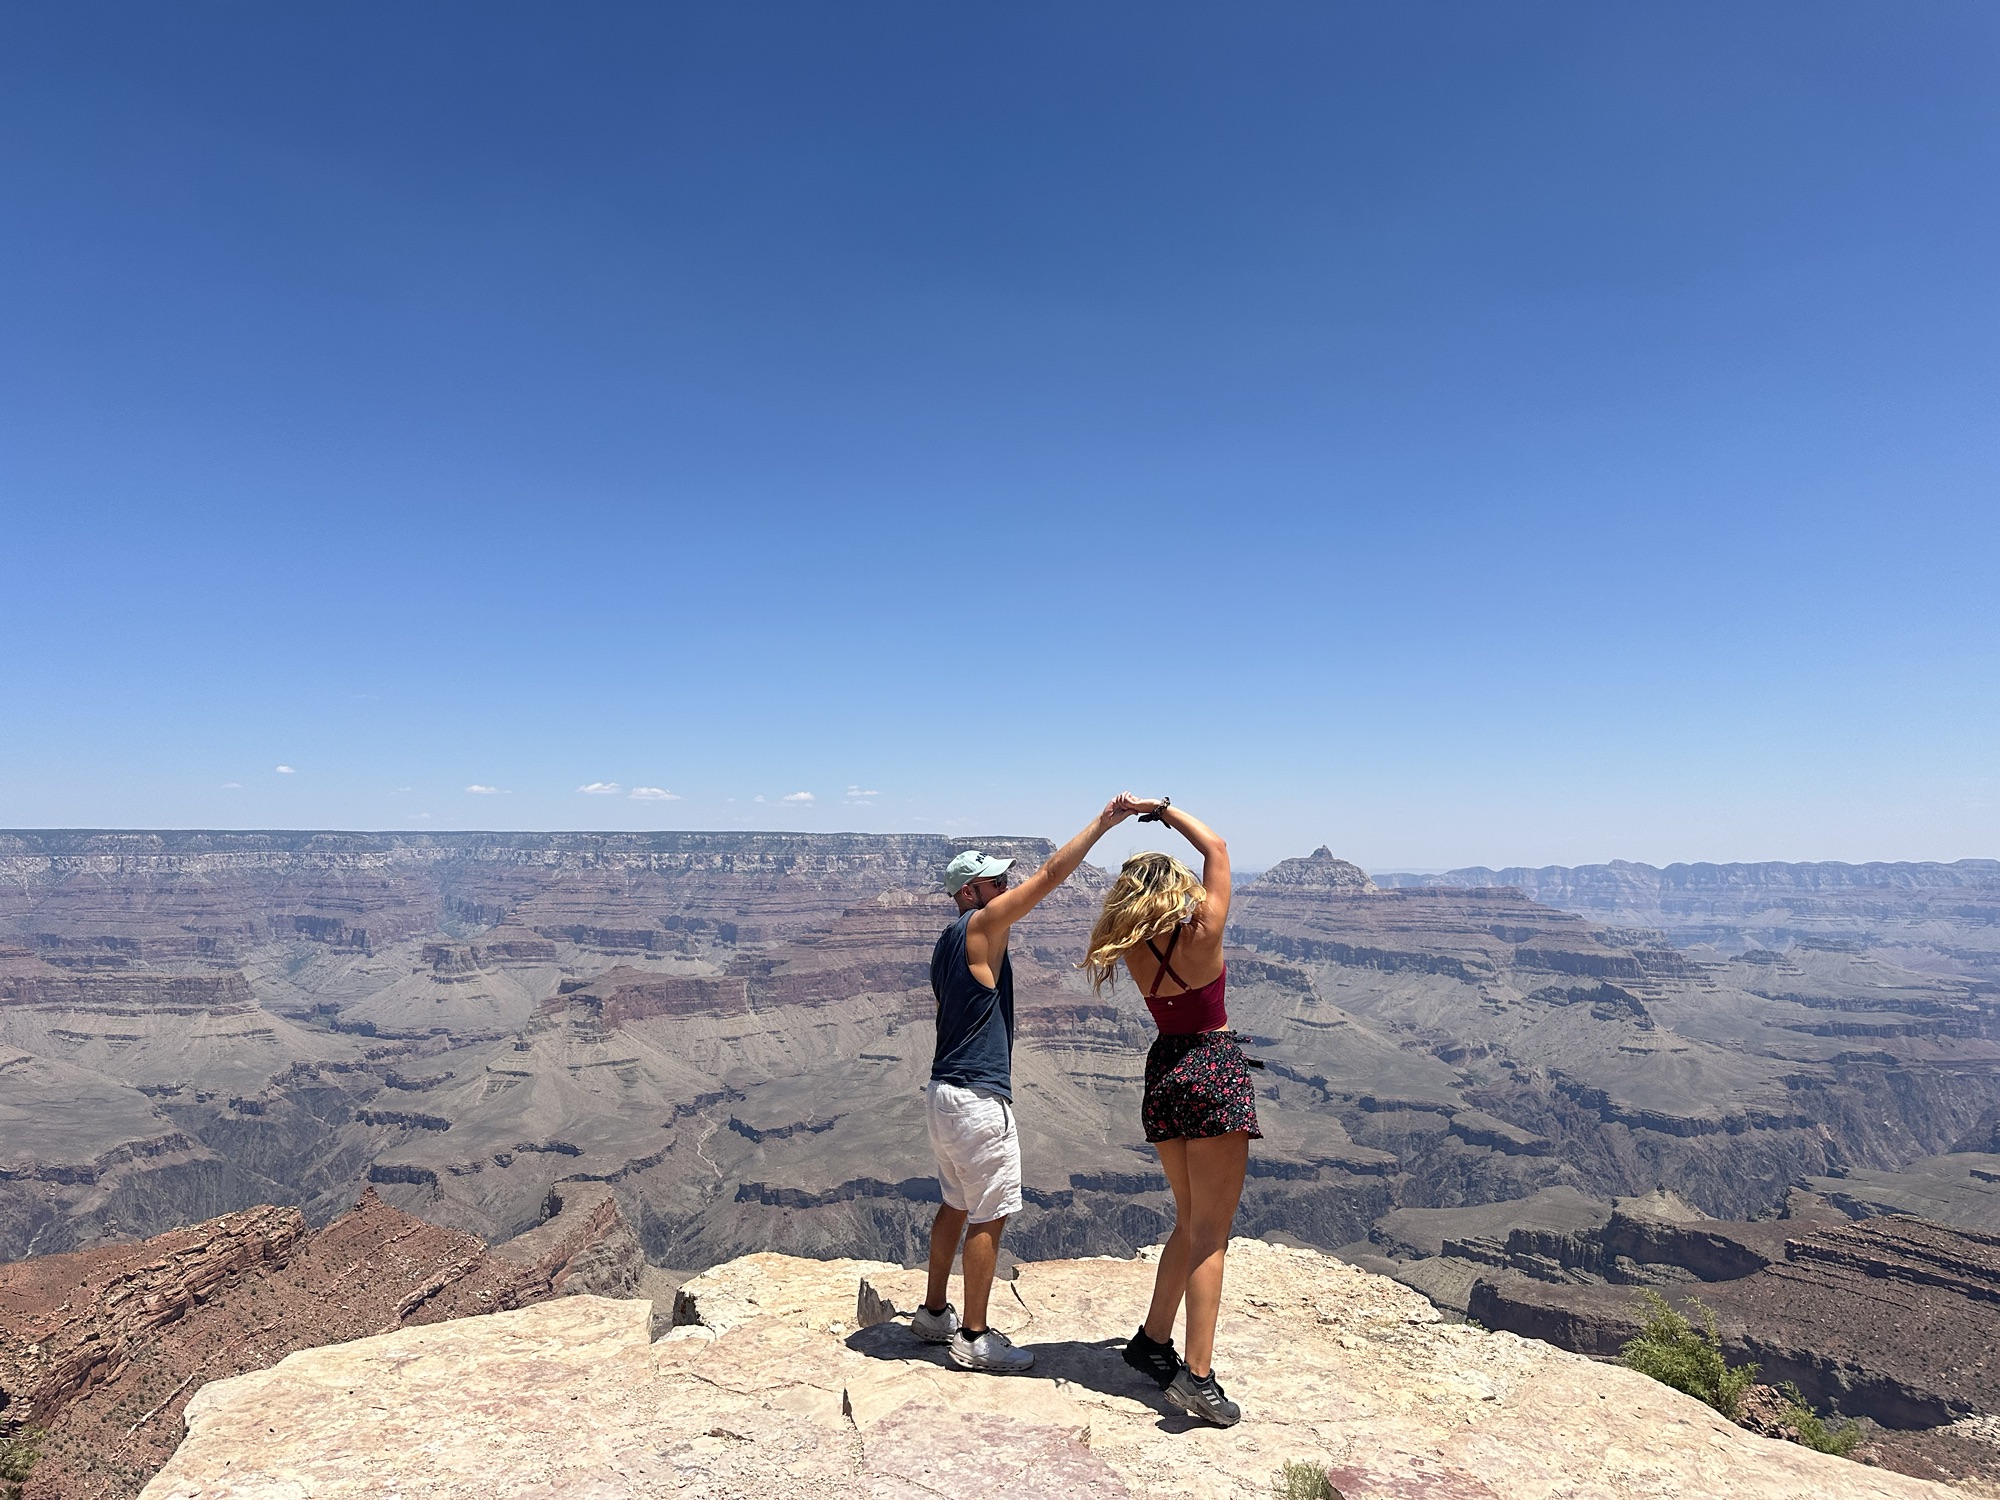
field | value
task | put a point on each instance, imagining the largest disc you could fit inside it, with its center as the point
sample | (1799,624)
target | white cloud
(423,815)
(484,791)
(653,794)
(758,798)
(800,797)
(232,786)
(286,771)
(601,788)
(856,794)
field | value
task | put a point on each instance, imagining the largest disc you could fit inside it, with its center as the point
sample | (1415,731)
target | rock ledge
(772,1385)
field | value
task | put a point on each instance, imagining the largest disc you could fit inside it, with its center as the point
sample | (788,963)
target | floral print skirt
(1198,1086)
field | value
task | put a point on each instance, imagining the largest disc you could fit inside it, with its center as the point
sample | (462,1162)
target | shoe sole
(1201,1413)
(936,1338)
(959,1364)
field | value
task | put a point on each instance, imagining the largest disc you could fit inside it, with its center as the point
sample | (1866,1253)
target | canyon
(731,1031)
(725,1037)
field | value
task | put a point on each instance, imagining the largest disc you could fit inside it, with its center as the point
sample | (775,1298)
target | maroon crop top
(1191,1010)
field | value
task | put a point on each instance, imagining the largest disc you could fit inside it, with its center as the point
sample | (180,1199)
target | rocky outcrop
(1317,871)
(1984,1136)
(1642,1240)
(585,1245)
(29,979)
(801,1379)
(103,1347)
(48,1359)
(1960,1188)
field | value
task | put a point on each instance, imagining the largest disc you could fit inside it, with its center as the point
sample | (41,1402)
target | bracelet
(1155,815)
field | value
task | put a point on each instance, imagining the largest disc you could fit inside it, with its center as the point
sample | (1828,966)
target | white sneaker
(935,1328)
(992,1352)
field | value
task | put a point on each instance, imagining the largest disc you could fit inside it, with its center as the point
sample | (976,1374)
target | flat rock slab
(812,1387)
(941,1451)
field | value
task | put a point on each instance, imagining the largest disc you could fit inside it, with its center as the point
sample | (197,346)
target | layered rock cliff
(207,896)
(801,1379)
(1922,914)
(1893,1319)
(102,1349)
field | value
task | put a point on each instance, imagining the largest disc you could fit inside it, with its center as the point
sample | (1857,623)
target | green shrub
(17,1456)
(1813,1430)
(1676,1353)
(1304,1480)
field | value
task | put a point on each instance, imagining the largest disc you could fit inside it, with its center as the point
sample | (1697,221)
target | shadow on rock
(1095,1365)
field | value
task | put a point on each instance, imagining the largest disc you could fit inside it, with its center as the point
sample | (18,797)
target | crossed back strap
(1166,966)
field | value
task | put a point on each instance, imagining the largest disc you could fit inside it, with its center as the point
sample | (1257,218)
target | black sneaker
(1157,1361)
(1200,1396)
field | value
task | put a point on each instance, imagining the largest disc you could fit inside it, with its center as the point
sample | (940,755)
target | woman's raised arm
(1214,863)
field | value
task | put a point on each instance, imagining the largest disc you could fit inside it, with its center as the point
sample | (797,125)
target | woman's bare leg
(1214,1168)
(1170,1280)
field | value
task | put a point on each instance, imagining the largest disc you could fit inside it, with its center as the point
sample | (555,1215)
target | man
(971,1092)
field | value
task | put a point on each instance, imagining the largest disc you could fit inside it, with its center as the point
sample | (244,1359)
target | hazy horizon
(1114,848)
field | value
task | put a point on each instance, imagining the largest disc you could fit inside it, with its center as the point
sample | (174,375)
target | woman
(1200,1110)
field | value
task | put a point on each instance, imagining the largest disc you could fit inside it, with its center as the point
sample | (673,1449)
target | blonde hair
(1152,893)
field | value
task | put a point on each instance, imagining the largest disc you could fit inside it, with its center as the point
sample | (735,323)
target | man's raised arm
(1004,910)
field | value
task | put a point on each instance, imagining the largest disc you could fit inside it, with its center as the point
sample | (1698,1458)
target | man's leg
(945,1230)
(949,1222)
(991,1184)
(982,1254)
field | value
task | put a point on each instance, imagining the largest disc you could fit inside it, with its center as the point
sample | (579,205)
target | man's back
(975,1023)
(969,1108)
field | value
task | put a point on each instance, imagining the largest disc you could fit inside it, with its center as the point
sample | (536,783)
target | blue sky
(1451,433)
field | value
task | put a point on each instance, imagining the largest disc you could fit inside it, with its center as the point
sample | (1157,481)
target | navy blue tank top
(975,1025)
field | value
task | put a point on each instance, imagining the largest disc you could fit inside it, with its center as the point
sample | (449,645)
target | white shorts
(978,1152)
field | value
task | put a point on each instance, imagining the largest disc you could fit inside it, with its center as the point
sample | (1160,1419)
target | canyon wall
(730,1033)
